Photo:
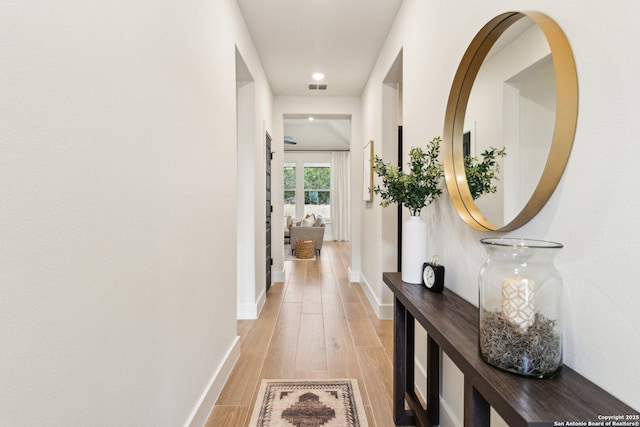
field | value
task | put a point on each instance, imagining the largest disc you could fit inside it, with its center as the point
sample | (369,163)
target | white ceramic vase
(414,249)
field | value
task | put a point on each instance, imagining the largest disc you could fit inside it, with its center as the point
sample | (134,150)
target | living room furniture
(452,325)
(301,232)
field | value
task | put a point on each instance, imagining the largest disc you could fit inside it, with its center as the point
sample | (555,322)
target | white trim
(420,379)
(383,311)
(354,276)
(247,311)
(447,417)
(278,276)
(386,312)
(251,311)
(203,408)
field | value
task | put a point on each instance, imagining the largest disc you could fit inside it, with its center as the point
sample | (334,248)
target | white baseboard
(354,276)
(447,417)
(247,311)
(278,276)
(383,311)
(208,399)
(251,311)
(420,379)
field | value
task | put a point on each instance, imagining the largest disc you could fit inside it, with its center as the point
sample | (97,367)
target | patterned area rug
(326,403)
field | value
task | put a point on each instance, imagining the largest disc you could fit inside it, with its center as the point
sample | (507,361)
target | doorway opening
(317,171)
(248,245)
(392,151)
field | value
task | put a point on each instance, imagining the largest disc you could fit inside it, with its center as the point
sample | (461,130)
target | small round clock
(433,276)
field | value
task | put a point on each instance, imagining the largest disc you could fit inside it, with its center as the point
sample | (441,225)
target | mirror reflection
(512,105)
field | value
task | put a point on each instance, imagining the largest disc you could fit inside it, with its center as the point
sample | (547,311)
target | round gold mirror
(516,88)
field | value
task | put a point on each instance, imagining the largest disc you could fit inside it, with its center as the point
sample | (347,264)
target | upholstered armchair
(314,232)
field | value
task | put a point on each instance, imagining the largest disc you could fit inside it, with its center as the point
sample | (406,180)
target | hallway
(314,325)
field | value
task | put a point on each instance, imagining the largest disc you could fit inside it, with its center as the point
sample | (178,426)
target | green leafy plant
(419,186)
(482,173)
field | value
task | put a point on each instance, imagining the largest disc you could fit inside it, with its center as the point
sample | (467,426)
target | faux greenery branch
(481,173)
(422,184)
(417,188)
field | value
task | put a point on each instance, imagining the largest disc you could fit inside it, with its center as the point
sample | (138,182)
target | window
(307,188)
(290,189)
(317,189)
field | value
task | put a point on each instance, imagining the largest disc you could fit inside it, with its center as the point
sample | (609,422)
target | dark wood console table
(452,325)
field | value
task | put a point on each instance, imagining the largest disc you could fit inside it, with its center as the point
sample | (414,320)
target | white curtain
(340,200)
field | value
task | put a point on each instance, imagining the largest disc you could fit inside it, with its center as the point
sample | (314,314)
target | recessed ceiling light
(311,119)
(317,76)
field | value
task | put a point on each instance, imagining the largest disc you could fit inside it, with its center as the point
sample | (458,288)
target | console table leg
(476,408)
(409,354)
(433,381)
(401,343)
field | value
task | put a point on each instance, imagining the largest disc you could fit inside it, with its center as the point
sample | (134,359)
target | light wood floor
(314,325)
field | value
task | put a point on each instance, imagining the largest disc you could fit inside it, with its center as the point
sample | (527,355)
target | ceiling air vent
(317,86)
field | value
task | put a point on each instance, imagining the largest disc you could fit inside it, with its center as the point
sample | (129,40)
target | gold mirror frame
(564,128)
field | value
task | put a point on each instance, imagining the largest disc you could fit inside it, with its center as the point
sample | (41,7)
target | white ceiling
(324,133)
(340,38)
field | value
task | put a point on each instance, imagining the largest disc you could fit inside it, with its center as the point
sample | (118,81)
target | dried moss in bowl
(534,352)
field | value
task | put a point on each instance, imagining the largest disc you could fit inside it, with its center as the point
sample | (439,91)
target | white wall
(118,151)
(592,210)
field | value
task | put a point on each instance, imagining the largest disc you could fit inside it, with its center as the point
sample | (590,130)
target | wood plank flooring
(314,325)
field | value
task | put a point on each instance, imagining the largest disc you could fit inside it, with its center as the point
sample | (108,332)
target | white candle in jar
(518,301)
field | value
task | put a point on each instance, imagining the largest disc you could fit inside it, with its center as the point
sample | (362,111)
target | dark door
(269,261)
(399,205)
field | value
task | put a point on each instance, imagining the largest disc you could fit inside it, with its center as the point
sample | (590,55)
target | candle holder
(520,316)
